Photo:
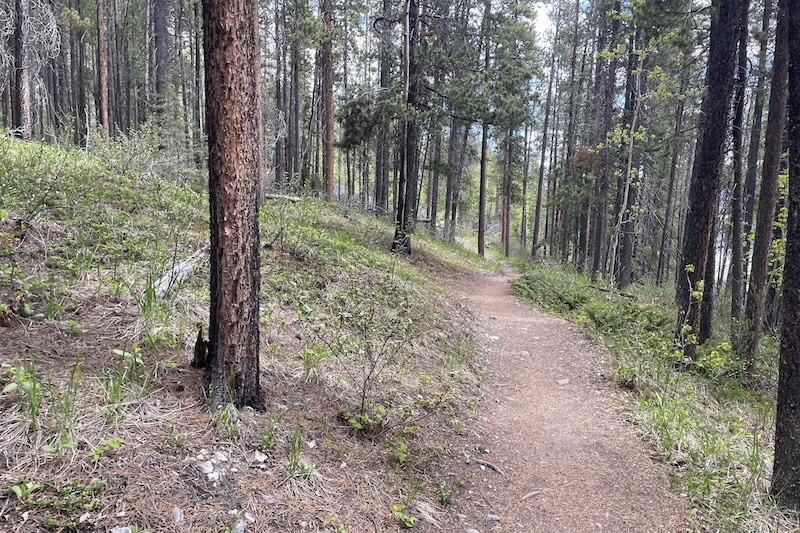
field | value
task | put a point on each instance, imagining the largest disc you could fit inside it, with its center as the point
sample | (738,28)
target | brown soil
(547,455)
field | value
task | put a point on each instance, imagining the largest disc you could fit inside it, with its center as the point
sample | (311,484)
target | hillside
(367,364)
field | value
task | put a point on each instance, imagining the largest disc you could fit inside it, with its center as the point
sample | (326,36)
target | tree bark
(21,107)
(160,40)
(382,149)
(409,175)
(785,473)
(754,145)
(737,203)
(703,189)
(327,66)
(768,196)
(232,60)
(102,68)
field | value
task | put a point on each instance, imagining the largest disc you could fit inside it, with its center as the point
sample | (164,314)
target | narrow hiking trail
(567,459)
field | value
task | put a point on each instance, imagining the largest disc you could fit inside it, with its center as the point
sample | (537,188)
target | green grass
(715,433)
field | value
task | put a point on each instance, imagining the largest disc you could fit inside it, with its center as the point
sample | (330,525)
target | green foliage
(269,440)
(334,524)
(367,422)
(399,449)
(227,418)
(60,504)
(23,381)
(404,519)
(445,494)
(105,446)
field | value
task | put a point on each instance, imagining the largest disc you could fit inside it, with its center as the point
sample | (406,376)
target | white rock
(249,517)
(213,476)
(177,515)
(492,518)
(259,457)
(206,467)
(563,382)
(221,457)
(240,526)
(472,531)
(121,529)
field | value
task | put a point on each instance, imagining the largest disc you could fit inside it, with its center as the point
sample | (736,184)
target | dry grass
(108,444)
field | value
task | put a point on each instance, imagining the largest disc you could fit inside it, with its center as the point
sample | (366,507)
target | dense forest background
(578,144)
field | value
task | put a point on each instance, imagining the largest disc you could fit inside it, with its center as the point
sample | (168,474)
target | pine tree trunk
(785,474)
(537,217)
(21,104)
(409,175)
(704,186)
(231,46)
(102,68)
(768,196)
(665,250)
(382,149)
(737,203)
(161,52)
(327,90)
(754,146)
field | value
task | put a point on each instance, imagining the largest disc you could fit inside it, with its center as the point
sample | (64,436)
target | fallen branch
(533,493)
(178,272)
(490,465)
(294,199)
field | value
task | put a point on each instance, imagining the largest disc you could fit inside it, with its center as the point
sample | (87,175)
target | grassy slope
(364,362)
(714,432)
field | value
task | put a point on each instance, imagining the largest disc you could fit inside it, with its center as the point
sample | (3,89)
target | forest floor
(561,456)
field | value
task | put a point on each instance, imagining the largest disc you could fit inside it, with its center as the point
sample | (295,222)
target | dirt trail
(569,461)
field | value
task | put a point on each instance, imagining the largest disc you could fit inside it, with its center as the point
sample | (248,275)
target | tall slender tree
(768,196)
(786,470)
(704,186)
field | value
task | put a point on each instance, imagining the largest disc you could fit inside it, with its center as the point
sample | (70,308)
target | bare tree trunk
(537,217)
(160,40)
(737,204)
(785,474)
(705,173)
(526,168)
(21,105)
(755,131)
(327,66)
(487,9)
(231,45)
(409,165)
(768,196)
(102,68)
(665,250)
(435,176)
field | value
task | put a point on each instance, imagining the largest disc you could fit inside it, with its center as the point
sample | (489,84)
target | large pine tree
(786,472)
(233,107)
